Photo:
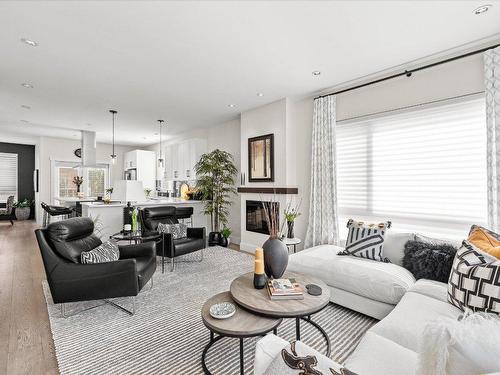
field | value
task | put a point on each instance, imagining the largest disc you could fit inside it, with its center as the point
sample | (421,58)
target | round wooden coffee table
(241,325)
(258,301)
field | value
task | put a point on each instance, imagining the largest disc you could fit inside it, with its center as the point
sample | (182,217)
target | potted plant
(291,213)
(107,198)
(23,209)
(147,191)
(225,240)
(78,181)
(216,178)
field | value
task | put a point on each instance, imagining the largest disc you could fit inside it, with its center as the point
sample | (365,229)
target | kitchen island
(110,216)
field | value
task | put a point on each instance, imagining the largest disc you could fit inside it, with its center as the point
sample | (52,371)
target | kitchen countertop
(151,202)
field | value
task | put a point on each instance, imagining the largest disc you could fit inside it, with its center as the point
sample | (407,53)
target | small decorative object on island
(259,277)
(223,310)
(147,192)
(275,251)
(78,181)
(291,213)
(22,209)
(107,197)
(224,240)
(216,174)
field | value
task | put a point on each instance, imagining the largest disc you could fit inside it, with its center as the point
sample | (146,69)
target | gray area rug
(166,334)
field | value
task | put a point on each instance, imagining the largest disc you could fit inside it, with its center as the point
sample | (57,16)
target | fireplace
(256,219)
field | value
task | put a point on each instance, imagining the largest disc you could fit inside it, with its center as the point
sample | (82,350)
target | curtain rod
(408,73)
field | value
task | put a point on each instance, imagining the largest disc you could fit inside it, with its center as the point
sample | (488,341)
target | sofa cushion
(379,281)
(475,280)
(377,355)
(366,240)
(460,347)
(394,246)
(405,324)
(431,288)
(266,350)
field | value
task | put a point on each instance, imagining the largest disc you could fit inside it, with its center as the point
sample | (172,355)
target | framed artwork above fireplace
(261,158)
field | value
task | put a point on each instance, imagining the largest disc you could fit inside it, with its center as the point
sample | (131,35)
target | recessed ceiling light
(29,42)
(25,121)
(260,94)
(316,73)
(25,106)
(88,124)
(155,133)
(27,85)
(231,105)
(482,9)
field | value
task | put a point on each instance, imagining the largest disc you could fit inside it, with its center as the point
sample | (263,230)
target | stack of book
(283,289)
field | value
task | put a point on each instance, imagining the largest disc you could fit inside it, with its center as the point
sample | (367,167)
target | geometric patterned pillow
(474,281)
(366,240)
(177,230)
(105,252)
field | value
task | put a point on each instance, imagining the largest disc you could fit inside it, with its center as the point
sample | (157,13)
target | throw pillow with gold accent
(298,358)
(485,240)
(366,240)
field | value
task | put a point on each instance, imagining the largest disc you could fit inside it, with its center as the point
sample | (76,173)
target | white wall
(225,136)
(63,150)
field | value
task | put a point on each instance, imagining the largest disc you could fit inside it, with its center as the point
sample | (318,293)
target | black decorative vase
(290,233)
(275,257)
(214,238)
(259,281)
(223,241)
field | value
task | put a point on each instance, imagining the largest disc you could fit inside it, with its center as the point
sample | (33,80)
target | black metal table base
(213,340)
(318,327)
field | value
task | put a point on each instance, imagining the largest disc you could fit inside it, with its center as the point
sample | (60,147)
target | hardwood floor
(26,345)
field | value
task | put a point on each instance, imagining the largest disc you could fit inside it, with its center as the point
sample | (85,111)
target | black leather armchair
(61,244)
(168,247)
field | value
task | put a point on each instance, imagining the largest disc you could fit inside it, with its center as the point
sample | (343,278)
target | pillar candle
(259,253)
(259,266)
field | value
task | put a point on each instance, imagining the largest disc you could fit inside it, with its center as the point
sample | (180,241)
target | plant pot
(223,241)
(214,238)
(290,233)
(275,257)
(22,213)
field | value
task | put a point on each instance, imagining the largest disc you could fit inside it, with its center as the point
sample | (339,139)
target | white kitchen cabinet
(144,162)
(182,157)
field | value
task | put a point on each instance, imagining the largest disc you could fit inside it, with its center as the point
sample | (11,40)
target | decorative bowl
(222,310)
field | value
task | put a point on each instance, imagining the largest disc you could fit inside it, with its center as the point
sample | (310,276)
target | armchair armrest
(146,249)
(196,232)
(75,271)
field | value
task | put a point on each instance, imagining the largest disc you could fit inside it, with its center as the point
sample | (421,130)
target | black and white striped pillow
(105,252)
(177,230)
(366,240)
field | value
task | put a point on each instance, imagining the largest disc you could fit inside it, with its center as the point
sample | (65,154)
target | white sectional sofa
(370,287)
(390,346)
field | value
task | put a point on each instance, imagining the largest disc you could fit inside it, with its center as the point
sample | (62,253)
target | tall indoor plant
(216,175)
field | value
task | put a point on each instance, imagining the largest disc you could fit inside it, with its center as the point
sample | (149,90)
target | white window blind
(8,176)
(425,169)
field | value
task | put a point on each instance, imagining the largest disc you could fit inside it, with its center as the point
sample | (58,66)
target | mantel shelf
(268,190)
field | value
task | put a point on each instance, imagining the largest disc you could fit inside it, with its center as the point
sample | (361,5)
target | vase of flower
(291,213)
(290,233)
(78,181)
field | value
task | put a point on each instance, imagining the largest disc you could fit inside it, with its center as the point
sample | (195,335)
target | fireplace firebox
(256,218)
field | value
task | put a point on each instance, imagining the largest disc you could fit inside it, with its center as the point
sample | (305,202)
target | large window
(8,176)
(425,169)
(95,179)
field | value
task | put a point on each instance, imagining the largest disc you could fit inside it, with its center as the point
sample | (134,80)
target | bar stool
(50,211)
(185,214)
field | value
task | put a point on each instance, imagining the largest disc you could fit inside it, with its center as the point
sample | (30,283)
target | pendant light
(113,155)
(160,159)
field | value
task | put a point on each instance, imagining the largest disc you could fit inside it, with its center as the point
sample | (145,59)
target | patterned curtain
(492,84)
(322,226)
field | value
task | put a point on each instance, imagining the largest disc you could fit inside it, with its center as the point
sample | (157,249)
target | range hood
(89,148)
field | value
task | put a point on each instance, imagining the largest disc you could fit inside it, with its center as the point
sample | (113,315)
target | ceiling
(185,62)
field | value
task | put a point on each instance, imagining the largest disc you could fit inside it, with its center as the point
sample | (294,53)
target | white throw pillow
(366,240)
(177,230)
(470,346)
